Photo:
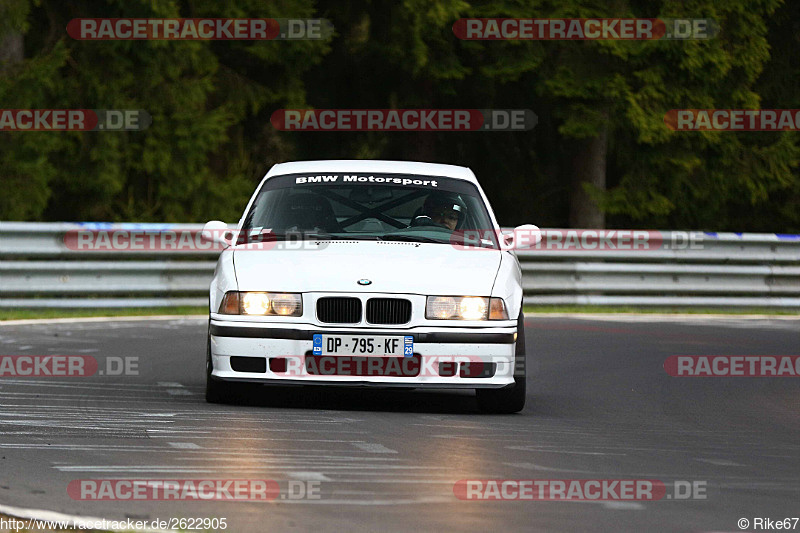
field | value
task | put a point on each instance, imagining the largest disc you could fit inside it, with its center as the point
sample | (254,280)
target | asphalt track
(600,406)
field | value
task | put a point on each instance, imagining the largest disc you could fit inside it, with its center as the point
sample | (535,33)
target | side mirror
(218,232)
(522,237)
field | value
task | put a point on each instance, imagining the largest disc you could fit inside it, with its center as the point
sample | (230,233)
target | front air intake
(388,311)
(339,310)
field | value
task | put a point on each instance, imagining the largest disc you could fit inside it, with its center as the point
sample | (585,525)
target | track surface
(600,406)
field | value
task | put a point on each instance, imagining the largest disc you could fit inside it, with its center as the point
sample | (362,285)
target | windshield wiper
(345,237)
(411,238)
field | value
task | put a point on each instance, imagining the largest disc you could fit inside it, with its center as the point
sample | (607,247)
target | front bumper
(445,357)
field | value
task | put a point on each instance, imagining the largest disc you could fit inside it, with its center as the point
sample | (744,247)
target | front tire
(510,399)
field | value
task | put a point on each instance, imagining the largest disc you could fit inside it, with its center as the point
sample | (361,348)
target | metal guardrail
(39,268)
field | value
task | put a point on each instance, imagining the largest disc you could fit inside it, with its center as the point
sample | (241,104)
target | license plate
(365,345)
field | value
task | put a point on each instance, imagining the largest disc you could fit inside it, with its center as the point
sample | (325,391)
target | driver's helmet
(445,205)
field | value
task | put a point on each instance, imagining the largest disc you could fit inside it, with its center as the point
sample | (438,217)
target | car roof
(373,165)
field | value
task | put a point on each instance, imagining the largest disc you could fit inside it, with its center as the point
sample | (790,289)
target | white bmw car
(368,273)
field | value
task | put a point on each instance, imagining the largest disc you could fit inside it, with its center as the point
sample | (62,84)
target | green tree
(192,163)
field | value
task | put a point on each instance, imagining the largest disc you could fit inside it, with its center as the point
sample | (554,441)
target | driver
(441,209)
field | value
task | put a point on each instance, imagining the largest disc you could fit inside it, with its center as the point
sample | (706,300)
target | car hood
(391,266)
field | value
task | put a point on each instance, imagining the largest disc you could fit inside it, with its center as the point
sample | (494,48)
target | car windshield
(370,207)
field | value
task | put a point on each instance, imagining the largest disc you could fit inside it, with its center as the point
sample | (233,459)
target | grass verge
(660,310)
(22,314)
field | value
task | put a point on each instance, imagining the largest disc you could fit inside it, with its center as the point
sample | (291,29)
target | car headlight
(465,308)
(262,303)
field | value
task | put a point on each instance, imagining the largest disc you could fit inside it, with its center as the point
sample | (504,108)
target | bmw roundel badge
(364,282)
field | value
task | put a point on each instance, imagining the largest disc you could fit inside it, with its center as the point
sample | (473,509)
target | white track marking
(532,466)
(77,521)
(372,447)
(179,392)
(185,445)
(540,449)
(719,462)
(623,506)
(309,476)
